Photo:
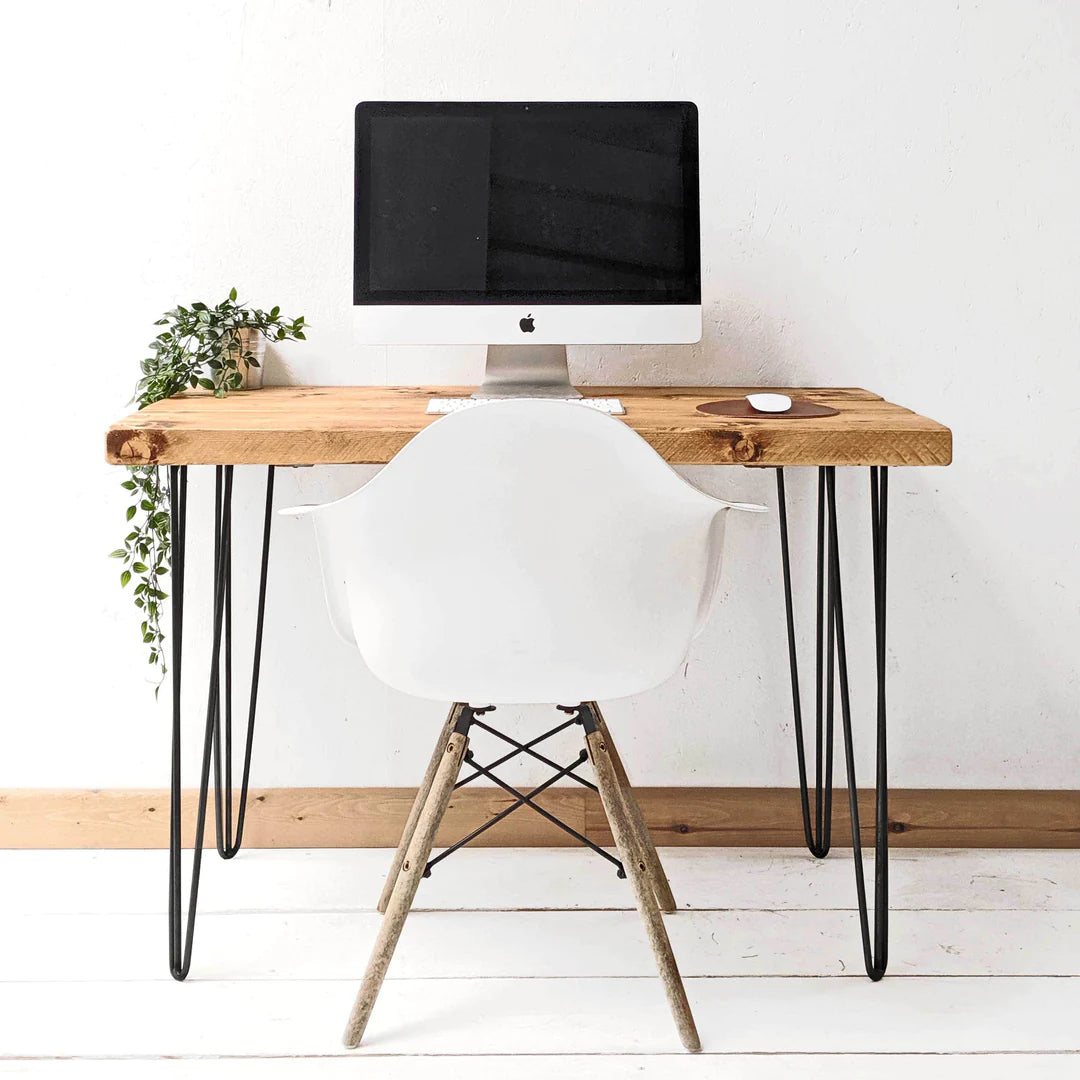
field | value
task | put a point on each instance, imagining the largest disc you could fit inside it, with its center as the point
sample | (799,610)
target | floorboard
(498,944)
(542,1016)
(570,1067)
(531,963)
(351,879)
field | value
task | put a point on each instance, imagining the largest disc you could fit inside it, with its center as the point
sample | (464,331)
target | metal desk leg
(229,838)
(831,658)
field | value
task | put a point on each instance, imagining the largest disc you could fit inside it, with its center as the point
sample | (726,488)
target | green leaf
(196,346)
(300,335)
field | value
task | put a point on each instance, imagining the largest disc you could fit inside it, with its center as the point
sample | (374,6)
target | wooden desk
(333,425)
(369,424)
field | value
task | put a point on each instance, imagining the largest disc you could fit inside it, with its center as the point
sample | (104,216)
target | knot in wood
(745,449)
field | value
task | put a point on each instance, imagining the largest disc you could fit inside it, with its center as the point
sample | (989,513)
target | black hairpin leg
(228,838)
(818,833)
(831,658)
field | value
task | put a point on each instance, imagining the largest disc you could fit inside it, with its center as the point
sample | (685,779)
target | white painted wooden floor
(493,978)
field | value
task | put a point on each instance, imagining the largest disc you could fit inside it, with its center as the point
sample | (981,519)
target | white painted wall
(889,200)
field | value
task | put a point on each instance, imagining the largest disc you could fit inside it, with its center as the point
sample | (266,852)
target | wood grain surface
(676,816)
(317,425)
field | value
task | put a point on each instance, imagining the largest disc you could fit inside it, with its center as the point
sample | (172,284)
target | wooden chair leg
(408,879)
(417,806)
(633,858)
(657,878)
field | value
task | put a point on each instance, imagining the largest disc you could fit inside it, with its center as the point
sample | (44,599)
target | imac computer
(527,227)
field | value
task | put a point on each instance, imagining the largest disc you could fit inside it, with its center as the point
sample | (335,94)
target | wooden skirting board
(683,816)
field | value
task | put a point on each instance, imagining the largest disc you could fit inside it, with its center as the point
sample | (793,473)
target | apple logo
(526,325)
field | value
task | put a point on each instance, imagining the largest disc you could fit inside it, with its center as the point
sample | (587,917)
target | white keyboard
(610,405)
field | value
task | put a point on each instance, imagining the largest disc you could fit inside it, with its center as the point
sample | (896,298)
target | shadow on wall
(764,322)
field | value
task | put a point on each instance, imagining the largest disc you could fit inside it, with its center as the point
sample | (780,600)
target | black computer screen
(511,202)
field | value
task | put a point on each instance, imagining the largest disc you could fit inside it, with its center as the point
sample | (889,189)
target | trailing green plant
(199,347)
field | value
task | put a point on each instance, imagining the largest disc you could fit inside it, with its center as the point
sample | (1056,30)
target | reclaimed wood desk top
(322,425)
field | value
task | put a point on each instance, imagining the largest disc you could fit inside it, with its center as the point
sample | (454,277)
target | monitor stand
(534,371)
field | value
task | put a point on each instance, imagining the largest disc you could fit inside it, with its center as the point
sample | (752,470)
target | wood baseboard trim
(677,816)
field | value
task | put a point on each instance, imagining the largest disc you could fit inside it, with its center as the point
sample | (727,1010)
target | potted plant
(215,349)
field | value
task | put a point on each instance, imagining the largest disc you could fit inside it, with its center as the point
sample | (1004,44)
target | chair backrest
(522,551)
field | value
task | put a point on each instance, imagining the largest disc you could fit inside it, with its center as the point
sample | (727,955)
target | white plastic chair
(523,551)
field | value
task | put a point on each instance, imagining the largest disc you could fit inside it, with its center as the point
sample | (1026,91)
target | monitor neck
(526,371)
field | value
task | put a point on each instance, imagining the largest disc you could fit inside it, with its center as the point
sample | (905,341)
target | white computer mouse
(769,402)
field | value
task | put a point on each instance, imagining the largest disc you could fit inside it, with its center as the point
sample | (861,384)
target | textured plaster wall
(889,200)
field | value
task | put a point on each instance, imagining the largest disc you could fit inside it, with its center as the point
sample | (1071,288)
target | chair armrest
(752,508)
(311,508)
(299,511)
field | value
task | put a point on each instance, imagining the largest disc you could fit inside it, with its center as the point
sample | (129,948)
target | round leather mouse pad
(742,409)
